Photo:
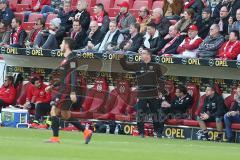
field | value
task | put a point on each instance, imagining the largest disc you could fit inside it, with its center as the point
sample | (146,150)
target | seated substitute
(212,111)
(232,116)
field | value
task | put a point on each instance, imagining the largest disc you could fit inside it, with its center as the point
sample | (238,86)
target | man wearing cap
(204,23)
(124,19)
(51,38)
(188,47)
(150,85)
(6,14)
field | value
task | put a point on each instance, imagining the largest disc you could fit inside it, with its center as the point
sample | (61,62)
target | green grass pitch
(28,144)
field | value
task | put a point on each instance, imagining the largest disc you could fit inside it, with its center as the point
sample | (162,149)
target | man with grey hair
(162,23)
(82,14)
(211,44)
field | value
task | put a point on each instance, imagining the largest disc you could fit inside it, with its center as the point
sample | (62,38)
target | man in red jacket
(231,48)
(36,7)
(188,48)
(7,92)
(39,98)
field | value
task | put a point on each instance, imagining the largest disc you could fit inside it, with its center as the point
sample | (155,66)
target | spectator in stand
(133,43)
(78,34)
(55,7)
(230,49)
(222,21)
(36,6)
(162,23)
(143,19)
(211,44)
(171,41)
(4,33)
(233,116)
(39,99)
(212,111)
(50,39)
(95,36)
(183,24)
(152,40)
(172,9)
(37,28)
(124,18)
(188,48)
(196,5)
(101,16)
(234,25)
(6,14)
(82,15)
(232,6)
(112,39)
(7,92)
(65,15)
(17,35)
(204,23)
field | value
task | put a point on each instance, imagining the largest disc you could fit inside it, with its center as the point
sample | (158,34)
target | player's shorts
(66,104)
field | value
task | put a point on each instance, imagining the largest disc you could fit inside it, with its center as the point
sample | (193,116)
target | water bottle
(116,130)
(107,129)
(87,126)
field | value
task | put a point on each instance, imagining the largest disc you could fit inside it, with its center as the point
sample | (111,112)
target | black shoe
(231,140)
(205,137)
(142,135)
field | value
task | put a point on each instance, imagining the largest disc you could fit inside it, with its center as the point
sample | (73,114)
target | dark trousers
(148,107)
(41,109)
(2,104)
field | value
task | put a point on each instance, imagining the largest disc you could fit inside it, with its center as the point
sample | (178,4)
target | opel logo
(53,53)
(211,62)
(184,61)
(28,51)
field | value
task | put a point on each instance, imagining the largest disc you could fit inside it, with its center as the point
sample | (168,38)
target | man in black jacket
(95,36)
(134,43)
(222,21)
(162,23)
(150,84)
(153,40)
(65,15)
(82,14)
(233,116)
(6,14)
(78,34)
(212,111)
(204,23)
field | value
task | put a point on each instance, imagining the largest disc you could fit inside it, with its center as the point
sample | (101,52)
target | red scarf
(99,18)
(142,20)
(34,35)
(74,35)
(14,37)
(170,43)
(121,18)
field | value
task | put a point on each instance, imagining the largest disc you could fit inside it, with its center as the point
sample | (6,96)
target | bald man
(143,19)
(211,44)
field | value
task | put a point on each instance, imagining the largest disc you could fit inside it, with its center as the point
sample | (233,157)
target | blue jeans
(228,124)
(26,15)
(45,10)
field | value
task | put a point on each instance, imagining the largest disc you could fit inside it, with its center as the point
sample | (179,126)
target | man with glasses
(143,19)
(37,28)
(233,116)
(222,21)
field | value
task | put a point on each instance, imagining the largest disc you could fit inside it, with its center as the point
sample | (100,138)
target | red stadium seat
(26,2)
(23,93)
(13,4)
(107,3)
(157,4)
(19,15)
(138,4)
(193,90)
(130,114)
(117,102)
(22,7)
(95,99)
(120,1)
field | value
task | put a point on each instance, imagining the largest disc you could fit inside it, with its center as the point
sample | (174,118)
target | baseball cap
(123,4)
